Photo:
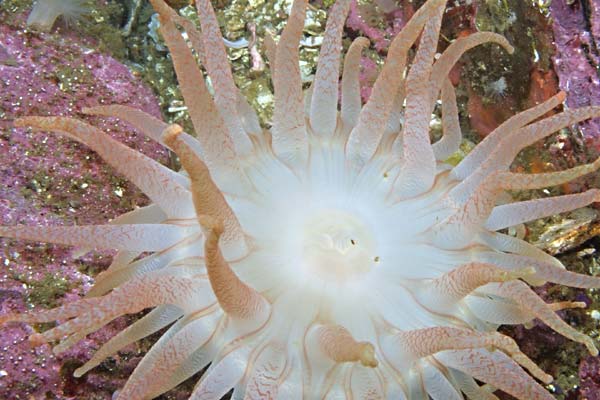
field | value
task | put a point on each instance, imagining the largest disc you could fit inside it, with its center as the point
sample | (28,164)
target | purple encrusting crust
(577,59)
(65,184)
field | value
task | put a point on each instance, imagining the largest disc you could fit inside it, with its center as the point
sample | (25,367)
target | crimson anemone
(334,256)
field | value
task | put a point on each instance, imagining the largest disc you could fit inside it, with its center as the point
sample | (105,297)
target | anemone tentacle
(351,102)
(289,129)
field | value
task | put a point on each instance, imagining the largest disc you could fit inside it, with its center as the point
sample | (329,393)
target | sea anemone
(335,255)
(44,13)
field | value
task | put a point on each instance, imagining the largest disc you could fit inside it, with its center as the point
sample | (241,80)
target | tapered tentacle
(497,310)
(511,244)
(270,49)
(366,135)
(337,344)
(472,211)
(268,373)
(195,363)
(531,133)
(351,101)
(394,124)
(151,214)
(109,279)
(418,161)
(194,36)
(133,296)
(446,291)
(155,320)
(410,346)
(452,54)
(196,39)
(469,387)
(237,299)
(516,213)
(323,107)
(529,300)
(71,340)
(483,150)
(366,383)
(120,260)
(207,198)
(248,116)
(450,141)
(496,369)
(218,149)
(150,126)
(544,271)
(290,141)
(436,384)
(154,378)
(217,65)
(222,375)
(139,237)
(508,148)
(155,180)
(566,305)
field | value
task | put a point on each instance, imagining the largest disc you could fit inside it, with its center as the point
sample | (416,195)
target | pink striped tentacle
(155,377)
(290,141)
(133,296)
(217,65)
(508,148)
(222,375)
(456,50)
(351,101)
(452,135)
(544,271)
(236,298)
(409,346)
(158,182)
(366,135)
(109,279)
(149,125)
(324,102)
(512,214)
(447,290)
(270,367)
(471,212)
(365,383)
(218,150)
(152,322)
(511,244)
(138,237)
(496,369)
(207,198)
(418,161)
(270,49)
(485,148)
(469,387)
(530,301)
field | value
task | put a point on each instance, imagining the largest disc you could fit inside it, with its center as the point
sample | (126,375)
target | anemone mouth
(337,245)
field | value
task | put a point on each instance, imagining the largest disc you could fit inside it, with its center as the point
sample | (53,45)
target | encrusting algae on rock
(334,255)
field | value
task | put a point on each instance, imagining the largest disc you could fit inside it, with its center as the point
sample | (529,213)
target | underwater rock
(45,74)
(577,59)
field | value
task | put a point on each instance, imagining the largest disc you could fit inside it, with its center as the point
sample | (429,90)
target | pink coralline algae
(63,184)
(577,60)
(589,373)
(358,20)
